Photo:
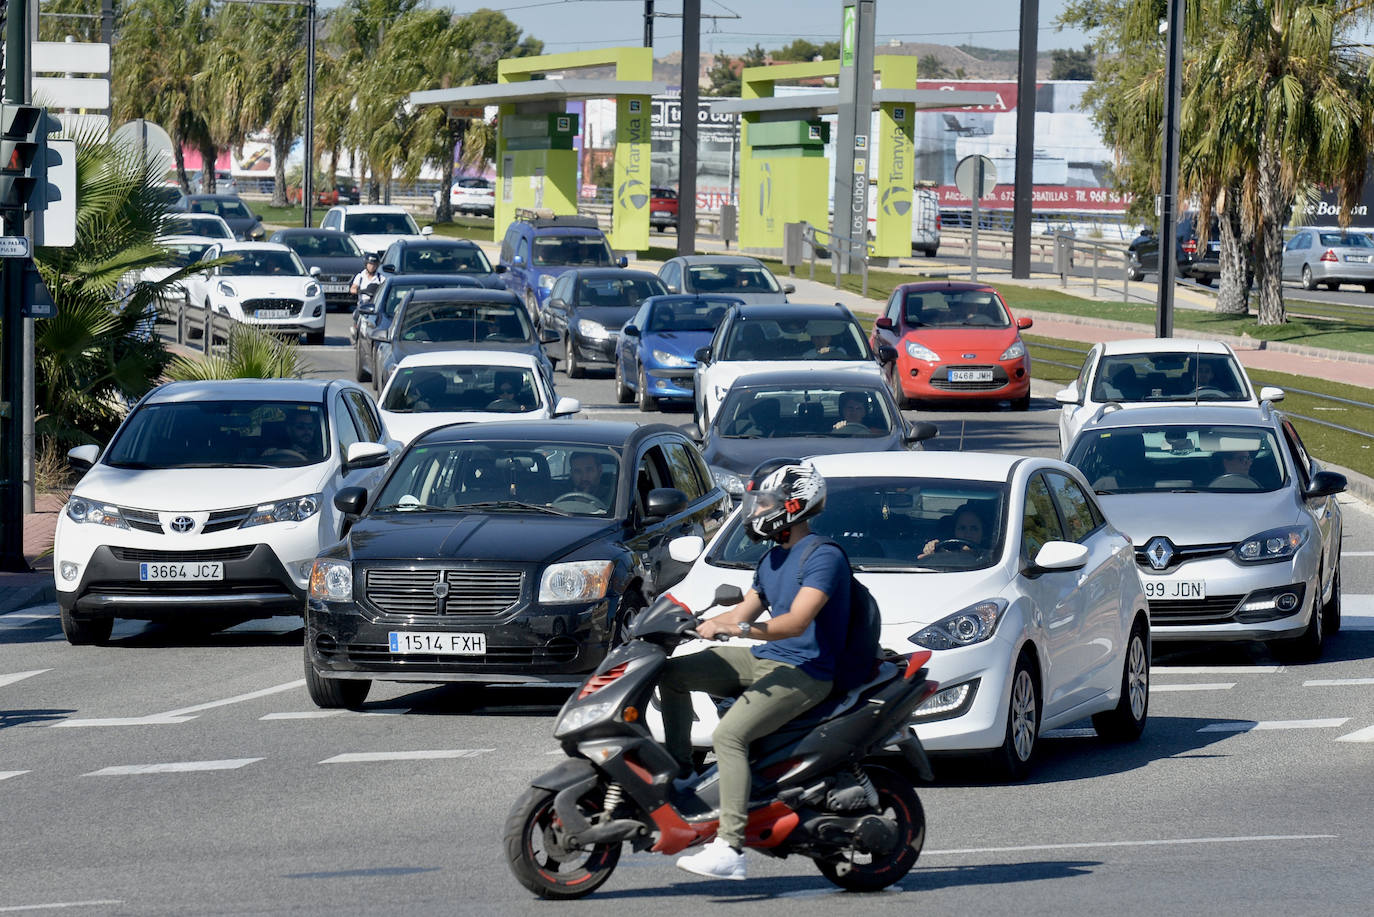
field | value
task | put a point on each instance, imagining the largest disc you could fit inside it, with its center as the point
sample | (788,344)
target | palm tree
(251,354)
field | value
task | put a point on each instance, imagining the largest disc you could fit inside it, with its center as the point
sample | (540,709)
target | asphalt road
(179,773)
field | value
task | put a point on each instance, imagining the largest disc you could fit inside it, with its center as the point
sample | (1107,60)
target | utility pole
(649,23)
(854,117)
(308,150)
(1168,179)
(107,21)
(12,347)
(1025,140)
(687,127)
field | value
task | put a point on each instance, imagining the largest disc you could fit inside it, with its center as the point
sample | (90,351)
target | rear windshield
(381,224)
(1346,239)
(587,250)
(1146,377)
(323,246)
(691,315)
(498,389)
(394,290)
(196,224)
(784,413)
(460,322)
(227,209)
(1180,458)
(182,254)
(444,259)
(221,434)
(798,339)
(731,278)
(618,291)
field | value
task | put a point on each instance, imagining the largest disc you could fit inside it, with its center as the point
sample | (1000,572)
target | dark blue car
(655,356)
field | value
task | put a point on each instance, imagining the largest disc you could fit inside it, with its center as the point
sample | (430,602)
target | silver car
(1329,255)
(739,276)
(1236,529)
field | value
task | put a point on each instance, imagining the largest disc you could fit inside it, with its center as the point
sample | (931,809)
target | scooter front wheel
(864,872)
(537,857)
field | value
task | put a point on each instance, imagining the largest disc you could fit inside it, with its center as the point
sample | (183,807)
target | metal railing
(859,250)
(1066,252)
(194,323)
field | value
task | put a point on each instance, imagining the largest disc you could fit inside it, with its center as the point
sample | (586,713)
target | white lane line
(1217,670)
(364,756)
(15,908)
(28,616)
(1088,845)
(185,714)
(122,721)
(1336,682)
(1357,612)
(5,775)
(1262,725)
(1359,735)
(20,676)
(1357,553)
(1158,688)
(173,767)
(302,715)
(239,698)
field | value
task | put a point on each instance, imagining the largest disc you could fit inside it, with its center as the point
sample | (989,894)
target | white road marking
(28,616)
(1262,725)
(1336,682)
(122,721)
(239,698)
(20,676)
(5,775)
(184,714)
(1357,612)
(1088,845)
(173,767)
(365,756)
(1216,670)
(1158,688)
(302,715)
(1357,553)
(1360,735)
(15,908)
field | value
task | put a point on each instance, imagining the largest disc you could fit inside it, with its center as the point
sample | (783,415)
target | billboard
(717,150)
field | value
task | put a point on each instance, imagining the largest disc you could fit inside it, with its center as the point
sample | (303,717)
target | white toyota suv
(211,501)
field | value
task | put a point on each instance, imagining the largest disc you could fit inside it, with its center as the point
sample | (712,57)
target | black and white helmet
(781,493)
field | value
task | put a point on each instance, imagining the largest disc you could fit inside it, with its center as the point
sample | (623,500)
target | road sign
(145,142)
(966,176)
(70,57)
(14,247)
(38,302)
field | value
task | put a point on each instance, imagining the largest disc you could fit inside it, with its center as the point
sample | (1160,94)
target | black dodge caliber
(503,552)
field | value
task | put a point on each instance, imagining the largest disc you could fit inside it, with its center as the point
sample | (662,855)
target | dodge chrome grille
(447,591)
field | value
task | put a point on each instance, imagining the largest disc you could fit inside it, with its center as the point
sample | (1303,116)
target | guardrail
(859,250)
(193,323)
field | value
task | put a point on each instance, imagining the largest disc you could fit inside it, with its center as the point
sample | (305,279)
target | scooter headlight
(582,716)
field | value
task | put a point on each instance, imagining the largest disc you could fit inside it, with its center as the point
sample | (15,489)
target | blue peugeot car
(655,355)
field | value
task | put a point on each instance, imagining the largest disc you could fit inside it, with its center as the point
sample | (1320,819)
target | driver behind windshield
(970,533)
(585,477)
(302,437)
(853,416)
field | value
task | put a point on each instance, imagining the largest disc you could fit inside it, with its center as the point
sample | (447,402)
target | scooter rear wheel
(873,872)
(538,861)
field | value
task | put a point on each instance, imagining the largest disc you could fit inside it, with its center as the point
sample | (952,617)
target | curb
(28,594)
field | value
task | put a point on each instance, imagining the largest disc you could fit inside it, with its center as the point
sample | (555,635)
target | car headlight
(1275,544)
(312,290)
(670,359)
(79,509)
(546,281)
(577,581)
(728,481)
(971,625)
(331,580)
(918,351)
(590,329)
(226,289)
(296,509)
(1015,351)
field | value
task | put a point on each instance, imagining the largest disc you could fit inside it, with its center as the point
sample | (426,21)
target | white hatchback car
(1003,566)
(267,286)
(429,390)
(211,502)
(1151,372)
(373,226)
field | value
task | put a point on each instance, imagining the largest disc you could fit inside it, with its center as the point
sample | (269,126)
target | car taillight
(597,682)
(937,221)
(1190,247)
(1329,255)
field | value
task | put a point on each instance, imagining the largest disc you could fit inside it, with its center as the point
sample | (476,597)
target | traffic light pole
(12,346)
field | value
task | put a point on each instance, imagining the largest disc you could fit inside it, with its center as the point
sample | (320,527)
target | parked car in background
(1196,257)
(373,226)
(246,224)
(211,502)
(655,353)
(1236,529)
(172,197)
(432,255)
(267,286)
(1329,256)
(803,413)
(206,225)
(663,208)
(954,341)
(372,320)
(536,252)
(1154,371)
(1004,567)
(739,276)
(547,538)
(471,194)
(224,182)
(586,309)
(334,253)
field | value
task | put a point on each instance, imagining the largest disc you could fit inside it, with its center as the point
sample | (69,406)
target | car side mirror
(83,458)
(426,230)
(673,288)
(366,455)
(1271,393)
(686,549)
(789,288)
(921,431)
(884,323)
(622,261)
(1067,396)
(351,500)
(518,261)
(367,308)
(566,406)
(547,335)
(501,268)
(1024,322)
(388,268)
(703,355)
(315,271)
(727,595)
(1324,484)
(663,502)
(887,354)
(630,331)
(1057,555)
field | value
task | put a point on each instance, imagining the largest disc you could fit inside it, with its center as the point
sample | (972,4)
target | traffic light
(24,131)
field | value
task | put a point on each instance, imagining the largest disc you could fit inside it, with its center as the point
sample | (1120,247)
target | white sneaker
(717,860)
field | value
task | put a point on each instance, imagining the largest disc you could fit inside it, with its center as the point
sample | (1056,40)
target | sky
(573,25)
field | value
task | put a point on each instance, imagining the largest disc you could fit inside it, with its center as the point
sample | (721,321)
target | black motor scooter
(813,794)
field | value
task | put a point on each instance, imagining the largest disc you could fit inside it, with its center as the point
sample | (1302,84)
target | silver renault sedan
(1236,528)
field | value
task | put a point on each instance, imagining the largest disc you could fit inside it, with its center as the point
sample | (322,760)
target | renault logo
(183,524)
(1159,551)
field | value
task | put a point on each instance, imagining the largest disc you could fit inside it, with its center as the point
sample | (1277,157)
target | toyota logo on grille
(183,524)
(1159,551)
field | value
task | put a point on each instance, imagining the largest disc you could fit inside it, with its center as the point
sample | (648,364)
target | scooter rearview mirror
(728,595)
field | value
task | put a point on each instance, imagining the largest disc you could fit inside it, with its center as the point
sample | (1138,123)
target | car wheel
(903,402)
(1205,280)
(1135,275)
(646,401)
(1308,646)
(1369,288)
(632,604)
(314,338)
(85,631)
(532,305)
(360,372)
(1022,403)
(571,365)
(623,395)
(1331,608)
(930,252)
(1126,722)
(1013,758)
(335,693)
(1308,283)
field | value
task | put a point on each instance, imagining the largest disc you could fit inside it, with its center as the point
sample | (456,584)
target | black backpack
(859,659)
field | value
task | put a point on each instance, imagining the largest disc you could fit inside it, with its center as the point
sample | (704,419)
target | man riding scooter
(365,285)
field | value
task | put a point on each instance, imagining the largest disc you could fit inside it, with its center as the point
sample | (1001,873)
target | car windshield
(229,209)
(497,389)
(784,413)
(889,524)
(551,251)
(323,246)
(1143,377)
(731,278)
(444,259)
(521,477)
(796,339)
(1179,458)
(183,254)
(218,434)
(258,262)
(380,224)
(617,291)
(688,315)
(955,309)
(196,224)
(448,321)
(1346,239)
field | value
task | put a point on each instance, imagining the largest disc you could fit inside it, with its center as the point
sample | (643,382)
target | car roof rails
(545,218)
